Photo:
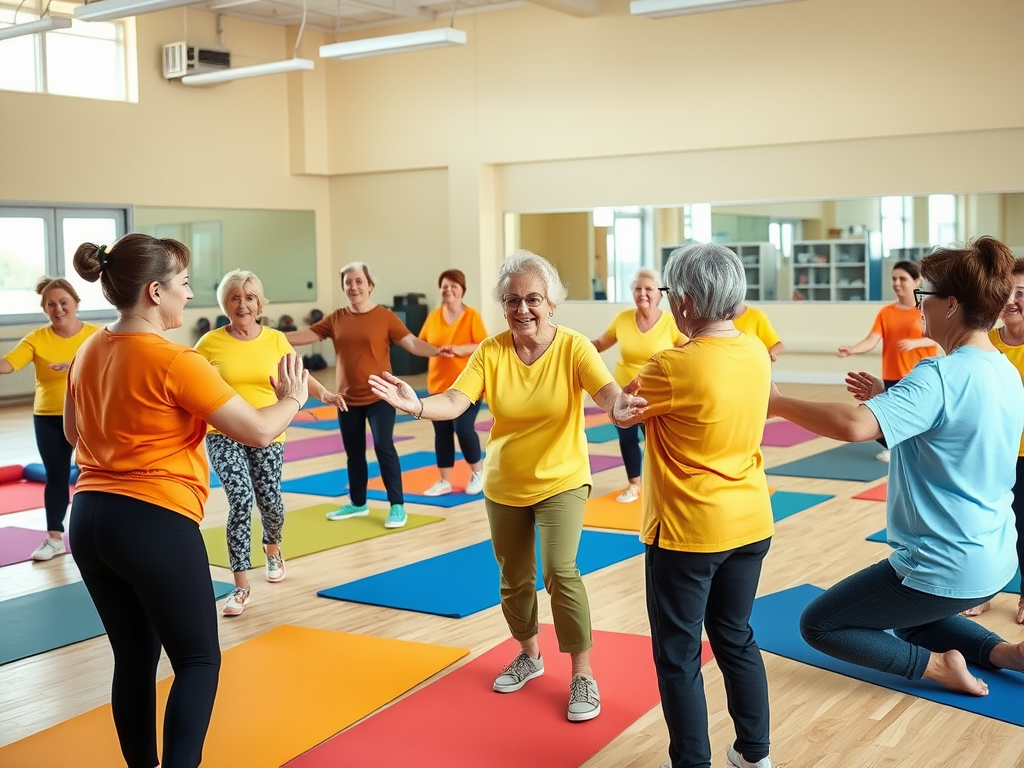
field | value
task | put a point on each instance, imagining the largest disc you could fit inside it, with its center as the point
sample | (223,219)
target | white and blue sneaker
(396,517)
(349,511)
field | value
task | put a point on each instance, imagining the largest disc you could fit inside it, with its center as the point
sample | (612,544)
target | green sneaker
(349,511)
(396,517)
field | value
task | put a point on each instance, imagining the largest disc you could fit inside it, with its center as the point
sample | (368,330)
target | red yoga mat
(460,722)
(22,495)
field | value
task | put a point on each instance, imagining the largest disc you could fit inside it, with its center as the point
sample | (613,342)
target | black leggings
(469,441)
(147,572)
(55,451)
(353,436)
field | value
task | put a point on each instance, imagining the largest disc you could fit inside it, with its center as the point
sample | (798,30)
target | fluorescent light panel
(256,70)
(378,46)
(108,10)
(659,9)
(47,24)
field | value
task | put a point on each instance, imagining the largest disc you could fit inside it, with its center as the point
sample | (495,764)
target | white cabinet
(760,261)
(830,270)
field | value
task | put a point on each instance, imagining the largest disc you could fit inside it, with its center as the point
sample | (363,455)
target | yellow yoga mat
(308,530)
(280,694)
(606,512)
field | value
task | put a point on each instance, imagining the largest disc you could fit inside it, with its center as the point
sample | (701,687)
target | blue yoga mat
(786,503)
(53,618)
(602,433)
(335,482)
(465,581)
(1013,587)
(853,461)
(775,620)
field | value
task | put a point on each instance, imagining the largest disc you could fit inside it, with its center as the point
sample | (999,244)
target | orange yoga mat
(320,413)
(878,493)
(416,481)
(606,512)
(280,694)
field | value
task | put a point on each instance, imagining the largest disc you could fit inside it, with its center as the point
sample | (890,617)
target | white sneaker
(440,488)
(735,760)
(632,493)
(275,566)
(236,602)
(883,456)
(49,548)
(475,484)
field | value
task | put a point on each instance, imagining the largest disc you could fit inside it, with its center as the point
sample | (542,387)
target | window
(37,241)
(942,219)
(627,250)
(897,222)
(90,59)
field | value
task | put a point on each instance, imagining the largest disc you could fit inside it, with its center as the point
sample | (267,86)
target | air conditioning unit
(182,59)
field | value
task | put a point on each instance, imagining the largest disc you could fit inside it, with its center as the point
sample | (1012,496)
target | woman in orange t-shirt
(900,329)
(136,409)
(457,330)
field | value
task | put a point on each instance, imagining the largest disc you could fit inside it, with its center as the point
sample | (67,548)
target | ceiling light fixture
(256,70)
(45,24)
(659,9)
(378,46)
(108,10)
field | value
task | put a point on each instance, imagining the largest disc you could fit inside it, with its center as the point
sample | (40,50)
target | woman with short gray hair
(707,516)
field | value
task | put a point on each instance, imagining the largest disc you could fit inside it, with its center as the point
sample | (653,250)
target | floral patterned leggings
(250,476)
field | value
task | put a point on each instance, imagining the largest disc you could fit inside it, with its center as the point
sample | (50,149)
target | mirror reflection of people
(362,334)
(754,322)
(136,409)
(50,349)
(457,330)
(707,515)
(245,354)
(954,427)
(537,468)
(898,327)
(640,333)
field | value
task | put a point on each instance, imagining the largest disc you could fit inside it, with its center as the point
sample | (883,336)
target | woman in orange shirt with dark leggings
(136,409)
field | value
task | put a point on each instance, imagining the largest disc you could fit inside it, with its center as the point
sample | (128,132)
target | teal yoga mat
(465,581)
(776,620)
(853,461)
(786,503)
(53,618)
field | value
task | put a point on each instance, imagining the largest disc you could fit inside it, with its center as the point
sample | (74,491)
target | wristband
(419,415)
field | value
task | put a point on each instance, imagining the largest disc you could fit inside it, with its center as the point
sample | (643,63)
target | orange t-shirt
(893,325)
(362,345)
(140,406)
(468,328)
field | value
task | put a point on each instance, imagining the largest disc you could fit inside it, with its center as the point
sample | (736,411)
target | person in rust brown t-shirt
(362,334)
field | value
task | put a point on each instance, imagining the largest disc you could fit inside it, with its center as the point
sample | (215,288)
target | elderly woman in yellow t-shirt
(50,349)
(707,517)
(537,470)
(640,333)
(245,355)
(754,322)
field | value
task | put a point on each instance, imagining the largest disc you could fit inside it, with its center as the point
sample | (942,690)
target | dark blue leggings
(353,436)
(469,441)
(849,622)
(55,451)
(629,446)
(146,569)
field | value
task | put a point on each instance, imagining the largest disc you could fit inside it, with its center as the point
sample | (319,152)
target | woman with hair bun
(954,426)
(50,349)
(137,407)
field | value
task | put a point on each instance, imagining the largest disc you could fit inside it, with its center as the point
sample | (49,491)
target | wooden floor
(818,718)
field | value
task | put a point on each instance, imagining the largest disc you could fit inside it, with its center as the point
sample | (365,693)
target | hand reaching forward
(333,398)
(291,379)
(394,391)
(59,366)
(863,385)
(628,406)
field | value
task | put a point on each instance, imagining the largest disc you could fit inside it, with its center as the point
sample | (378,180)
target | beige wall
(567,241)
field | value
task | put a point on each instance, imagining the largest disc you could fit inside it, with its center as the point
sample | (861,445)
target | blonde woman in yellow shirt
(754,322)
(537,470)
(640,333)
(707,517)
(50,349)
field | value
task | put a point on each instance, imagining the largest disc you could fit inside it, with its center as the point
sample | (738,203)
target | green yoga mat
(308,530)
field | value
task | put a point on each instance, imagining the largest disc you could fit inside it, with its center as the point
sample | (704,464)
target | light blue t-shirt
(953,427)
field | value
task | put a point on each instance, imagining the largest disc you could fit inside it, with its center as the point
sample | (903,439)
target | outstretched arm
(300,338)
(418,346)
(443,407)
(866,344)
(840,421)
(603,342)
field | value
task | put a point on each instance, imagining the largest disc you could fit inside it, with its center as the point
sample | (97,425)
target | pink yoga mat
(601,463)
(18,544)
(296,450)
(783,434)
(460,722)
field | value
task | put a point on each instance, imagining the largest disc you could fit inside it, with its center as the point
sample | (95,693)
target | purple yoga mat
(601,463)
(783,434)
(18,544)
(296,450)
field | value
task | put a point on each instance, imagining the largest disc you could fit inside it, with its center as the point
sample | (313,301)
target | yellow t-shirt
(537,447)
(43,347)
(1016,356)
(754,322)
(246,366)
(703,472)
(635,347)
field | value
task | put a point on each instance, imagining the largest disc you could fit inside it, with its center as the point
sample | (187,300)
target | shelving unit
(760,264)
(830,270)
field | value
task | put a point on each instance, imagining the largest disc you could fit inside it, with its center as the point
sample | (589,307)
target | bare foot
(950,670)
(1007,656)
(1020,611)
(976,610)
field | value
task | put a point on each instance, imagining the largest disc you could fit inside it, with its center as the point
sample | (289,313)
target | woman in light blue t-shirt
(953,427)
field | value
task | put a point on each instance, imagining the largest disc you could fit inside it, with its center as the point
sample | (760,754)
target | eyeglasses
(919,296)
(533,301)
(664,290)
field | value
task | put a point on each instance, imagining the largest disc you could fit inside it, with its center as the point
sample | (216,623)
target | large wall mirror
(279,246)
(813,251)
